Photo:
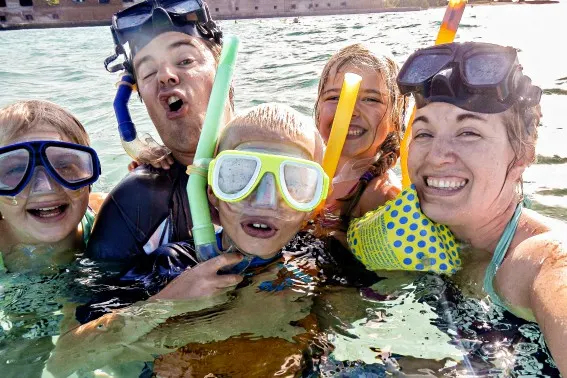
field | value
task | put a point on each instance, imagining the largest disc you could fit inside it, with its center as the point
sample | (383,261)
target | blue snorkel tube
(143,149)
(203,230)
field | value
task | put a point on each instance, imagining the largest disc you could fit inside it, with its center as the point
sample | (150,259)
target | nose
(41,183)
(265,195)
(167,76)
(442,151)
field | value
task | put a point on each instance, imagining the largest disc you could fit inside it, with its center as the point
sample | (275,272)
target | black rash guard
(145,201)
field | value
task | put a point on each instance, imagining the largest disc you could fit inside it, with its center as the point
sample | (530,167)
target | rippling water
(281,61)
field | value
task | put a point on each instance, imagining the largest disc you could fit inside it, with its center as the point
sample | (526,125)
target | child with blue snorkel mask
(46,169)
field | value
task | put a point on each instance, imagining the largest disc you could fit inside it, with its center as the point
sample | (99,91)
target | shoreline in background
(73,13)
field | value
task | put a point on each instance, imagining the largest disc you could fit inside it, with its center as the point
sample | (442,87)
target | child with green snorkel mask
(265,181)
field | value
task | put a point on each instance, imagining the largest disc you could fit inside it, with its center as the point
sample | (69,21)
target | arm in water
(110,338)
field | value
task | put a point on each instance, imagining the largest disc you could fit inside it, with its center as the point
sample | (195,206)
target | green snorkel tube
(203,230)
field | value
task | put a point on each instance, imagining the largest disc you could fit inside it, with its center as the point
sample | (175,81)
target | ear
(212,198)
(517,169)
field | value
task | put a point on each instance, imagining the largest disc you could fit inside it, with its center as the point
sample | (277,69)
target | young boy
(264,181)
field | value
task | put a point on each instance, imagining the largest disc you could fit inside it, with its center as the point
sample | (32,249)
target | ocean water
(281,61)
(420,325)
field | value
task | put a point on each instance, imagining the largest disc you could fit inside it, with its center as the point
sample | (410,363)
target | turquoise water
(279,60)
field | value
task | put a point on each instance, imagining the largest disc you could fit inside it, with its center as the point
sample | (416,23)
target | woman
(473,136)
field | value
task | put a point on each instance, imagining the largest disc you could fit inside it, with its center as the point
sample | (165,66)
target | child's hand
(203,280)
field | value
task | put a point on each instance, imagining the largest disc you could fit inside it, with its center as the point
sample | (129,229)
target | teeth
(48,208)
(355,131)
(445,183)
(259,225)
(172,99)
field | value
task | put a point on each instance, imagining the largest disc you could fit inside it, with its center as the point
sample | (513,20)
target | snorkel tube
(203,230)
(339,129)
(143,149)
(446,34)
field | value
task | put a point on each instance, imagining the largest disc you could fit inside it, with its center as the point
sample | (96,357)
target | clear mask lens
(72,165)
(301,182)
(235,174)
(13,166)
(424,66)
(487,68)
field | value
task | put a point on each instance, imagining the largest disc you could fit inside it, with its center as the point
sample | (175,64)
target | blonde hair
(23,116)
(359,56)
(281,121)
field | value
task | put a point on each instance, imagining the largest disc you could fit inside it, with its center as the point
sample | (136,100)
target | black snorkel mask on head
(134,27)
(478,77)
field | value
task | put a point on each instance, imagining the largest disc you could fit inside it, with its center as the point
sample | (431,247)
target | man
(172,51)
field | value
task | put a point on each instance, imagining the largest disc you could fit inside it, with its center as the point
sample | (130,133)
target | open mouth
(174,103)
(445,183)
(259,229)
(355,132)
(49,213)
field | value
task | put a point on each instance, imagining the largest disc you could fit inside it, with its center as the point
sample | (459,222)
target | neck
(24,255)
(184,158)
(485,235)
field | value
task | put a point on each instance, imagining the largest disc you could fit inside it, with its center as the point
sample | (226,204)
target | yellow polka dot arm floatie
(398,236)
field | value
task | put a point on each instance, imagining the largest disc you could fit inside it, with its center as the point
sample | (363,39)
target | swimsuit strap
(499,254)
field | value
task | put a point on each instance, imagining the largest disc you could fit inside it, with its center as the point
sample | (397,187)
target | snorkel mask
(33,168)
(478,77)
(132,29)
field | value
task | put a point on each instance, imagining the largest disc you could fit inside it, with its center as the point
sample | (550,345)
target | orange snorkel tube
(446,34)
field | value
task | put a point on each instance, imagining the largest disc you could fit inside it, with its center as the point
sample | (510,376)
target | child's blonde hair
(23,116)
(284,122)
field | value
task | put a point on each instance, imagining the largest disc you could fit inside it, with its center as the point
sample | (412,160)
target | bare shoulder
(380,190)
(96,200)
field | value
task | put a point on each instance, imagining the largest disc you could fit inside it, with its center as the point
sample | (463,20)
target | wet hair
(23,116)
(359,56)
(284,122)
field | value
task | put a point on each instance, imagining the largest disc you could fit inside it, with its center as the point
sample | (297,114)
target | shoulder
(380,190)
(145,183)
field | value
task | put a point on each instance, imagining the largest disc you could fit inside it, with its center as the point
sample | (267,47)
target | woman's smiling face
(460,162)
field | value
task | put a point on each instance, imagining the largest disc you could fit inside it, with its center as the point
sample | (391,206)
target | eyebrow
(172,46)
(466,116)
(421,119)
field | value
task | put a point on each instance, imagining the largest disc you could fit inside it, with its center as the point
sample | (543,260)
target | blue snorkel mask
(132,29)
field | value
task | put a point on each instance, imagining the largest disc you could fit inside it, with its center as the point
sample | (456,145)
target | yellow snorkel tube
(398,235)
(339,129)
(446,34)
(203,230)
